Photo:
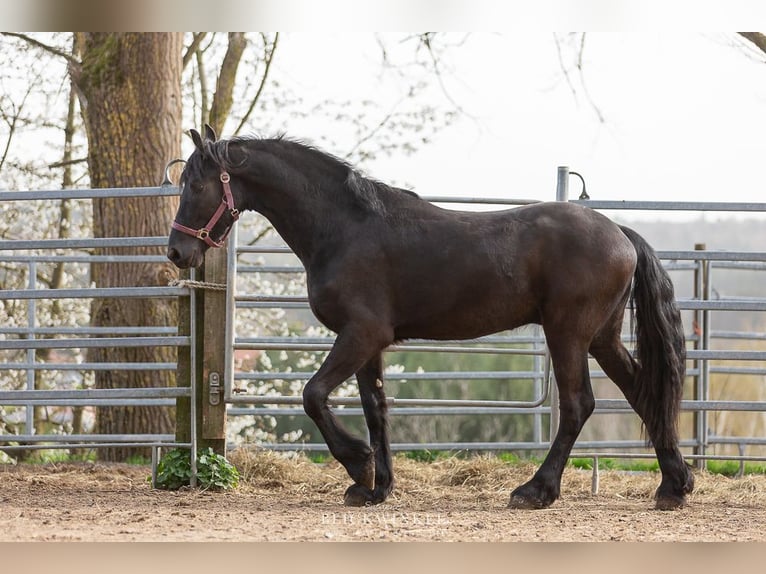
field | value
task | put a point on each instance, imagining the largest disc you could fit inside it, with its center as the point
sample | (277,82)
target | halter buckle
(225,177)
(202,233)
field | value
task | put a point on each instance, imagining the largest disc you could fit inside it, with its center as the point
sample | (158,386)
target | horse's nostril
(173,254)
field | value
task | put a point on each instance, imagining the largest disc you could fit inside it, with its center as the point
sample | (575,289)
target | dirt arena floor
(297,500)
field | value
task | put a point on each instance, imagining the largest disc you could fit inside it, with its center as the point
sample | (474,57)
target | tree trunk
(130,93)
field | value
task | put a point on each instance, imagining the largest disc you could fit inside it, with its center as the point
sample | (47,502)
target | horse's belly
(467,319)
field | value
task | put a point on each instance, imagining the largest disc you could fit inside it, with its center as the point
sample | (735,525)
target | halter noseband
(204,233)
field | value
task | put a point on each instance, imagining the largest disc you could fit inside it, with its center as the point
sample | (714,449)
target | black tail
(660,345)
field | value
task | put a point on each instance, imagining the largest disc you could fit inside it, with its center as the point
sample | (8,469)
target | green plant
(425,455)
(213,470)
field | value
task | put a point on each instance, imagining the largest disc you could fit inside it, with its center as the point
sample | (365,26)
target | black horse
(383,265)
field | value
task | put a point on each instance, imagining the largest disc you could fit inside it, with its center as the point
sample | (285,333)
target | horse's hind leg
(370,380)
(576,403)
(621,368)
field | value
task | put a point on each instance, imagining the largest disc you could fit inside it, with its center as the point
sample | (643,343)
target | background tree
(134,99)
(129,87)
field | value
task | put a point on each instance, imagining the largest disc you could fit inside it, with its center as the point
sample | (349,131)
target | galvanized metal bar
(269,269)
(414,411)
(671,205)
(713,255)
(254,344)
(88,243)
(42,195)
(31,322)
(154,392)
(115,438)
(96,342)
(405,376)
(479,446)
(140,401)
(92,445)
(726,355)
(88,366)
(89,330)
(231,295)
(728,304)
(85,258)
(92,293)
(478,200)
(193,383)
(264,249)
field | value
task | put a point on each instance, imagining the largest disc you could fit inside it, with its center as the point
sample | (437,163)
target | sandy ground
(452,500)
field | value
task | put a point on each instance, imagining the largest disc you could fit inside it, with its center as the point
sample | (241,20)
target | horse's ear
(196,138)
(209,133)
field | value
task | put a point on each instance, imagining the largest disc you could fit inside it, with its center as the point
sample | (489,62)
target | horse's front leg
(370,379)
(352,350)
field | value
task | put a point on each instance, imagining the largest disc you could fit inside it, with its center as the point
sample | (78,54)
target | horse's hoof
(669,502)
(532,496)
(526,503)
(358,495)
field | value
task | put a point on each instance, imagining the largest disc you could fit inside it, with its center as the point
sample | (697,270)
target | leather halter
(204,232)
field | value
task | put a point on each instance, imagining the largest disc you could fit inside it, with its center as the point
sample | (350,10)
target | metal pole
(707,268)
(562,194)
(698,325)
(31,312)
(231,292)
(562,184)
(537,422)
(193,381)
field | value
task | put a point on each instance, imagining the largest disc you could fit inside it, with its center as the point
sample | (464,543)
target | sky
(681,115)
(684,114)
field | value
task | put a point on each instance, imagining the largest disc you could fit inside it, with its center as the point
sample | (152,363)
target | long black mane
(332,174)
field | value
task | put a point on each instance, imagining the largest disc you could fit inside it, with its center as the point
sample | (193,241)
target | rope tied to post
(197,285)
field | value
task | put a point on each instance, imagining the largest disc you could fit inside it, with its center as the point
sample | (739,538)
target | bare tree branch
(592,103)
(580,67)
(426,39)
(203,104)
(50,49)
(12,119)
(563,66)
(197,38)
(227,75)
(67,163)
(268,58)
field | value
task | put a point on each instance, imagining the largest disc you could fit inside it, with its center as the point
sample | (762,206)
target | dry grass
(480,476)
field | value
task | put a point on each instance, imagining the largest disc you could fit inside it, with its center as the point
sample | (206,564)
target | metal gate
(215,389)
(19,343)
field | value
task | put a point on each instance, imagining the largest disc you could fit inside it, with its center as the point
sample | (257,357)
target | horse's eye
(198,186)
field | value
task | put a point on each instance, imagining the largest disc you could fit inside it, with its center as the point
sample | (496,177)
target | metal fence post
(699,343)
(562,194)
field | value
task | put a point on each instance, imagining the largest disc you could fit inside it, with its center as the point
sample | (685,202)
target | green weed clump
(214,472)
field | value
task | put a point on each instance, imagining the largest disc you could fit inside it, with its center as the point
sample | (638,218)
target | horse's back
(497,270)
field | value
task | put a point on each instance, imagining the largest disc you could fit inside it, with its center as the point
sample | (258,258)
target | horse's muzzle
(194,259)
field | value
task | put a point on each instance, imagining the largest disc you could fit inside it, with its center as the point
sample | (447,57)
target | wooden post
(213,408)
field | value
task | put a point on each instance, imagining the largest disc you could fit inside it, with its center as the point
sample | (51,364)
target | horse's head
(206,211)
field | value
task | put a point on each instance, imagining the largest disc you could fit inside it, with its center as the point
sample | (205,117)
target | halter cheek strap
(227,202)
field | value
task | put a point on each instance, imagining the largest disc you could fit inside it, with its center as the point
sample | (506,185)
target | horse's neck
(306,222)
